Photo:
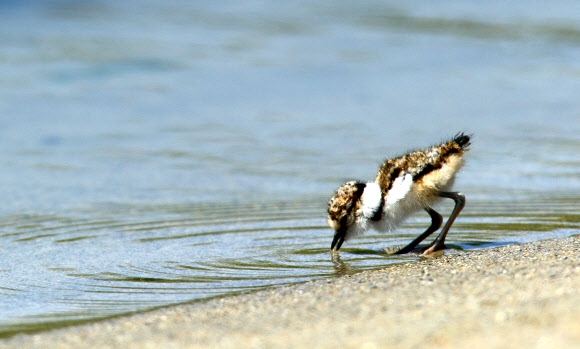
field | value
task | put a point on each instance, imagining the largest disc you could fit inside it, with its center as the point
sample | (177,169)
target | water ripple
(118,263)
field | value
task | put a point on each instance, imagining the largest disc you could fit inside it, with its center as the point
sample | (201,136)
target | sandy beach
(518,296)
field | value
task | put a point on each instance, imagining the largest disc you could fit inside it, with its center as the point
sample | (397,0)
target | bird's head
(343,211)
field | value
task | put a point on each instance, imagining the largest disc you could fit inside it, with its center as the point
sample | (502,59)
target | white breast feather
(401,187)
(371,199)
(396,207)
(395,210)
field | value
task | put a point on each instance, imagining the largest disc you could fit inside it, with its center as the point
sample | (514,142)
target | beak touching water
(339,236)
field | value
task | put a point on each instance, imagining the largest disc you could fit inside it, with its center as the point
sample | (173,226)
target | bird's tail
(462,140)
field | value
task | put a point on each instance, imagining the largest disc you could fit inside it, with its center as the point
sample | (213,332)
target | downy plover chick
(404,185)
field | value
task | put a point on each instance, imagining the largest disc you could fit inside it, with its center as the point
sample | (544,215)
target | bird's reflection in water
(340,268)
(388,255)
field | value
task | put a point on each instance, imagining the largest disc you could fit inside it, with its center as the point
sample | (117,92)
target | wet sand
(517,296)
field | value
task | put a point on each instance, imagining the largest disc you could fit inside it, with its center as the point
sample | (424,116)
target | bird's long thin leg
(439,242)
(436,221)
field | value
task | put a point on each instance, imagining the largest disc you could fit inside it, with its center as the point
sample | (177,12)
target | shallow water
(177,152)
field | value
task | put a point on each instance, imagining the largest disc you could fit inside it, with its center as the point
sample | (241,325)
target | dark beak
(338,239)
